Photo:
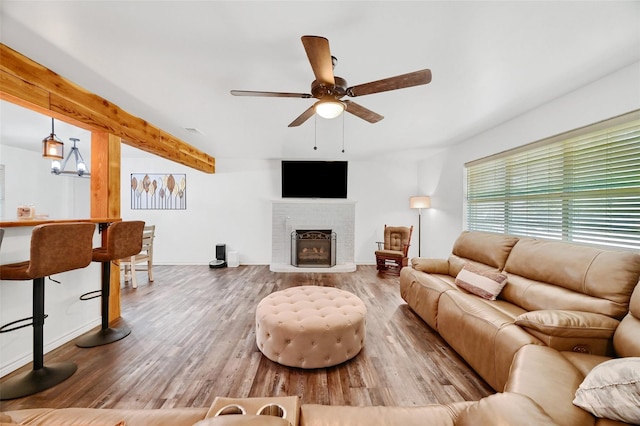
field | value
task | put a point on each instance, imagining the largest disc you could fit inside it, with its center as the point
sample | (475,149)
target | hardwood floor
(193,339)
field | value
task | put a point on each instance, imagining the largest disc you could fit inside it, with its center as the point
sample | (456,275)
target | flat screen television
(314,179)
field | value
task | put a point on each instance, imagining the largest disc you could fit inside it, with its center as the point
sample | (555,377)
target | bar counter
(36,221)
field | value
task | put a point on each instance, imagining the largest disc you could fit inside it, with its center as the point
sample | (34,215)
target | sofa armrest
(571,330)
(505,409)
(430,266)
(569,323)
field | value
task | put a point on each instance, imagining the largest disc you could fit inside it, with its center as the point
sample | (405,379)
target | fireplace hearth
(313,248)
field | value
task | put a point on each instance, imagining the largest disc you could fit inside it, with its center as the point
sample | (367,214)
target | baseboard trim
(27,358)
(283,267)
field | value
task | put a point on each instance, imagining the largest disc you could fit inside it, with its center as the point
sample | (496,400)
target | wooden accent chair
(391,255)
(145,255)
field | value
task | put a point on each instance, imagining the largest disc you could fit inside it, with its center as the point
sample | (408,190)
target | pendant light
(81,167)
(52,147)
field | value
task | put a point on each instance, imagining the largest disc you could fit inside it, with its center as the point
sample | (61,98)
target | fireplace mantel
(289,215)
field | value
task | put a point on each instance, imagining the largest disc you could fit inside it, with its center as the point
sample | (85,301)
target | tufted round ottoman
(310,326)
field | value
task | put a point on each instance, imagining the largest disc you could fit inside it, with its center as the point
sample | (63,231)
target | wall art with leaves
(158,191)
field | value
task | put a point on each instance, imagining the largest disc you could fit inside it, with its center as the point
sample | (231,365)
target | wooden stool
(124,239)
(55,248)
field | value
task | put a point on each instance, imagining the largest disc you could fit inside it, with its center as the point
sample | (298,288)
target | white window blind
(582,186)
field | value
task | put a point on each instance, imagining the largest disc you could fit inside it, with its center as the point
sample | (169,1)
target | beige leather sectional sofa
(503,409)
(560,327)
(564,309)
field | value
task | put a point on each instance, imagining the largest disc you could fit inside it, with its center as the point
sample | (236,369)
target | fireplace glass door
(313,248)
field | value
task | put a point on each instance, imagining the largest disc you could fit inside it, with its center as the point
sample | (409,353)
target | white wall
(28,179)
(441,176)
(233,206)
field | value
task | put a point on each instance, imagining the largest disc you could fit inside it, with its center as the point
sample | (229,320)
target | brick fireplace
(288,216)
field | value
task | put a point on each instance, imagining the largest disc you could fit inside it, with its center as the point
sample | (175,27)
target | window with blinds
(582,186)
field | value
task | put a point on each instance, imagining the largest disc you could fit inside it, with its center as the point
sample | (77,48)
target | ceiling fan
(330,89)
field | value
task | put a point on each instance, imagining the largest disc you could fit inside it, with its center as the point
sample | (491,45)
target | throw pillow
(612,390)
(486,284)
(431,266)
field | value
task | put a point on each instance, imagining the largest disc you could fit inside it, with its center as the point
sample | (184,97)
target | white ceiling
(173,63)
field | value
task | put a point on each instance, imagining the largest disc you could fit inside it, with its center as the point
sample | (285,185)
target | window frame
(554,204)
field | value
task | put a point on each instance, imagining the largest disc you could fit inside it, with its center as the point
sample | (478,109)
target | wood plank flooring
(193,339)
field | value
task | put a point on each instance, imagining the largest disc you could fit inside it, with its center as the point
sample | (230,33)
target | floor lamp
(419,202)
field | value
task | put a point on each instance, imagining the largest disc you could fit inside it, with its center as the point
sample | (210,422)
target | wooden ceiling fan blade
(270,94)
(319,55)
(362,112)
(411,79)
(303,117)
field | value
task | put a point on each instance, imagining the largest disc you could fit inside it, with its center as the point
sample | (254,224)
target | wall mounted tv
(314,179)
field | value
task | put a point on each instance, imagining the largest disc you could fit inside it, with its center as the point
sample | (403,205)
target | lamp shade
(329,109)
(420,202)
(52,148)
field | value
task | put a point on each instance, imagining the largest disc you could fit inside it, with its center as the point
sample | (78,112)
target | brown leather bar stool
(55,248)
(124,239)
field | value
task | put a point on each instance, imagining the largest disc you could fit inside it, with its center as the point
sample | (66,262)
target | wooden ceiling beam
(34,86)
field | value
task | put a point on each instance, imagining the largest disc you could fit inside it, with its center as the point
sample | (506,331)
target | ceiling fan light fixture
(329,108)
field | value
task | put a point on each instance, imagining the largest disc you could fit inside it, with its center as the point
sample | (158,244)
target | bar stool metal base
(103,337)
(36,381)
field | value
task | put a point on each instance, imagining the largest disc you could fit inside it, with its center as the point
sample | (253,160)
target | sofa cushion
(456,264)
(332,415)
(535,295)
(390,253)
(548,378)
(484,247)
(604,279)
(108,416)
(486,284)
(504,409)
(484,336)
(569,323)
(431,266)
(612,390)
(584,363)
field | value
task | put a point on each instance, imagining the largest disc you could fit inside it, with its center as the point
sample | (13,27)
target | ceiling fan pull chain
(315,132)
(343,133)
